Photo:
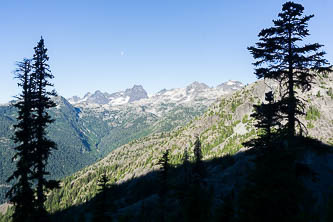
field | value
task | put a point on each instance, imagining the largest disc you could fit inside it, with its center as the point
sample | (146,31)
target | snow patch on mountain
(136,99)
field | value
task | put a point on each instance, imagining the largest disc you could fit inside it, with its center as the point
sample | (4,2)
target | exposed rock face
(136,93)
(118,98)
(230,86)
(194,91)
(196,87)
(98,97)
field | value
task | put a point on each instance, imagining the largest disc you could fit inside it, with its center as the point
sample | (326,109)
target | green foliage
(312,113)
(83,136)
(310,125)
(245,119)
(235,104)
(8,216)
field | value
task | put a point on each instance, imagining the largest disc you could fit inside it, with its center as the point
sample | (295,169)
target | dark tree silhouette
(186,166)
(268,117)
(103,189)
(196,202)
(165,167)
(198,170)
(21,194)
(280,57)
(42,102)
(164,173)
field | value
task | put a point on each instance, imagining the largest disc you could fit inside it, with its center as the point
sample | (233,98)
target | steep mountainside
(89,128)
(222,130)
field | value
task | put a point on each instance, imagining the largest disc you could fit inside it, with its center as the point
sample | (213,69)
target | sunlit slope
(222,130)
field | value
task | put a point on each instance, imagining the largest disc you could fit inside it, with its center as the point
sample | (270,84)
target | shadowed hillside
(222,129)
(283,184)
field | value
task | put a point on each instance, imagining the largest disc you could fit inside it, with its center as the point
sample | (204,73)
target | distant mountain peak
(196,86)
(230,85)
(196,91)
(135,93)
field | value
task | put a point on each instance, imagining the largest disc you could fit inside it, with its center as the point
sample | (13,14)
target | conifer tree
(268,117)
(186,166)
(164,173)
(281,57)
(165,167)
(21,194)
(41,75)
(101,202)
(198,170)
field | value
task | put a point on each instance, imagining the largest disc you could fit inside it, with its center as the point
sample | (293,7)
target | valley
(88,129)
(223,129)
(81,140)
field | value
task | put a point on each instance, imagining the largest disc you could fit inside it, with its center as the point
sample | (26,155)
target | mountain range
(133,168)
(87,129)
(222,129)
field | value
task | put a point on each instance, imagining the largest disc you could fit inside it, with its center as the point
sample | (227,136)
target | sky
(111,45)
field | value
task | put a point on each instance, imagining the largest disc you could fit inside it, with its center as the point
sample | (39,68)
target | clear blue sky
(111,45)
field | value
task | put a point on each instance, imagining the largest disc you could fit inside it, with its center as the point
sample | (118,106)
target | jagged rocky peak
(98,97)
(230,85)
(196,86)
(135,93)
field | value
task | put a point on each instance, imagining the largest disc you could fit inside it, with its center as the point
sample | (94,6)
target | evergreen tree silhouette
(103,189)
(198,168)
(280,57)
(41,103)
(165,167)
(186,166)
(21,194)
(196,203)
(164,173)
(268,117)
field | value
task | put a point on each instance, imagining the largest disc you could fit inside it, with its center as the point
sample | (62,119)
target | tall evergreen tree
(103,188)
(280,57)
(164,173)
(41,74)
(165,167)
(21,194)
